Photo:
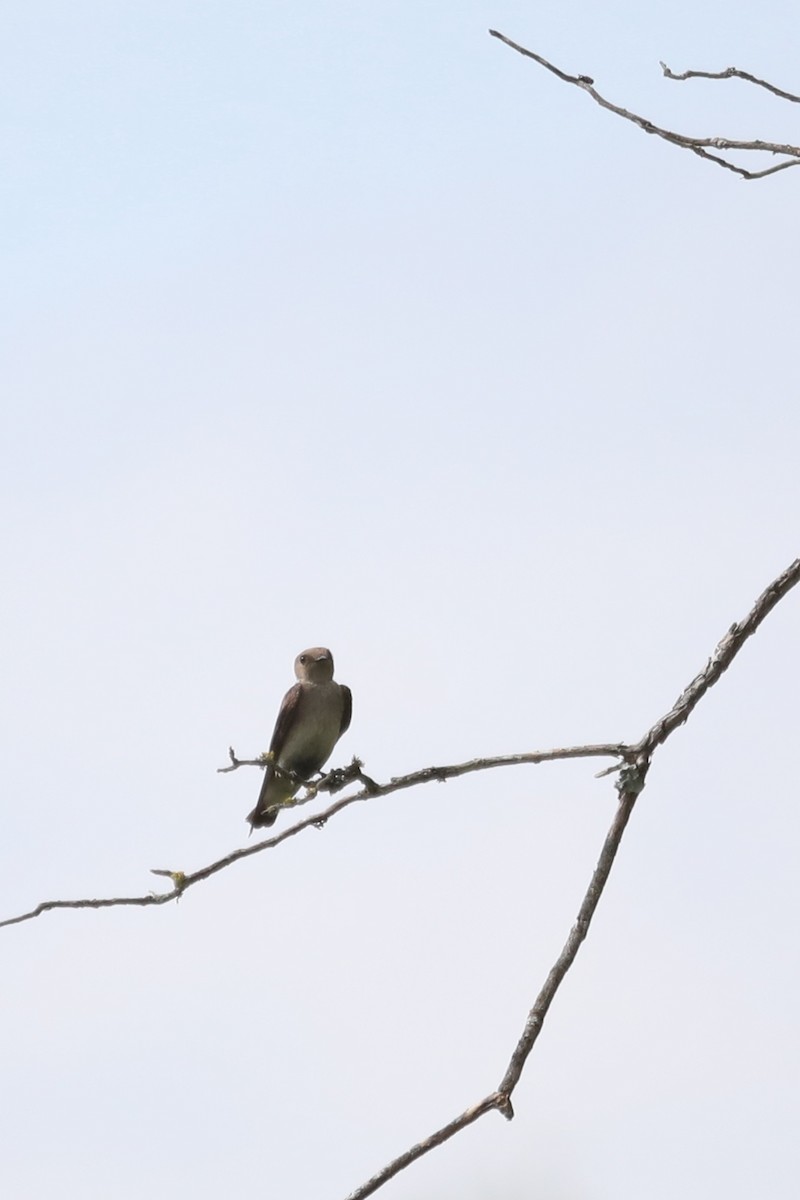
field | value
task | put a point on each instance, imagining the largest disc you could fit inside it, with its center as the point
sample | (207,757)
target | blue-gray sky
(344,324)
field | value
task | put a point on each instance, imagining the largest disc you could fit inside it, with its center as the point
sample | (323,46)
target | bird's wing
(271,791)
(347,708)
(285,720)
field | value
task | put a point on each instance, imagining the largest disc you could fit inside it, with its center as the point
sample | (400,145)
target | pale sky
(345,325)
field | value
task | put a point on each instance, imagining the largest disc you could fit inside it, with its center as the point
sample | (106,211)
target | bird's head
(314,665)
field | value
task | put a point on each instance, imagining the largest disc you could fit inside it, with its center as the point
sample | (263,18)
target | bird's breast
(315,730)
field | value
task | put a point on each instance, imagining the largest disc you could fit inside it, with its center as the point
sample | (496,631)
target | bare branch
(261,761)
(731,73)
(629,791)
(700,146)
(182,881)
(501,1099)
(116,901)
(720,660)
(633,767)
(630,785)
(429,1143)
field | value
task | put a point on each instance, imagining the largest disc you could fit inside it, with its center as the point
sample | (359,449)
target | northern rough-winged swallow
(313,716)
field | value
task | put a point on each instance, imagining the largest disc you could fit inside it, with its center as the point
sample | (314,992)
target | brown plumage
(313,716)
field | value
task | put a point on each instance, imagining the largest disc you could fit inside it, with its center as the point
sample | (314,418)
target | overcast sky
(346,325)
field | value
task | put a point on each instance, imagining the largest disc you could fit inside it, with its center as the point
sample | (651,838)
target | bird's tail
(262,818)
(275,790)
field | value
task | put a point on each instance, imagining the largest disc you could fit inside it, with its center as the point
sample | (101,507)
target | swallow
(313,716)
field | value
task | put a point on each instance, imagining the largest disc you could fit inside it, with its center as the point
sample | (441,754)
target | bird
(314,714)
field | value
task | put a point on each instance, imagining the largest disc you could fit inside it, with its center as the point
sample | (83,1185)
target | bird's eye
(302,658)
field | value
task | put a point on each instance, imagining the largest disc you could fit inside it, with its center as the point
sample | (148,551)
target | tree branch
(182,881)
(700,146)
(633,767)
(501,1099)
(429,1143)
(730,73)
(630,785)
(721,659)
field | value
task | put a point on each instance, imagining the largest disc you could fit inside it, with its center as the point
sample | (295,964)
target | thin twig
(731,73)
(700,146)
(235,763)
(184,880)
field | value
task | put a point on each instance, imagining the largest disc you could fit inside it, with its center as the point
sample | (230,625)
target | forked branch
(629,785)
(702,146)
(633,764)
(332,782)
